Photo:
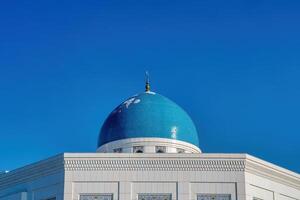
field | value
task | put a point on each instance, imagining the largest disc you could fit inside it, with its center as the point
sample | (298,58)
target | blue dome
(148,115)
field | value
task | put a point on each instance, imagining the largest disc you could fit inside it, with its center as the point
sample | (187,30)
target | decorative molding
(143,164)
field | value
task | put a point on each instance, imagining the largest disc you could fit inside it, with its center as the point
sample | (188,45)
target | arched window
(118,150)
(180,150)
(138,149)
(160,149)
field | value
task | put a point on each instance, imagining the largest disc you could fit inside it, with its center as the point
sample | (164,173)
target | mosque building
(148,149)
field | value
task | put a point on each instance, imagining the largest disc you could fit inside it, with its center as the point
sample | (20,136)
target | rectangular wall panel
(212,188)
(260,193)
(163,188)
(95,189)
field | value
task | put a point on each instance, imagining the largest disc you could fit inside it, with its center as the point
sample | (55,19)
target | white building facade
(148,150)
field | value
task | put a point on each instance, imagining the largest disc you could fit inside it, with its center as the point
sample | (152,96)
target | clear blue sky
(233,66)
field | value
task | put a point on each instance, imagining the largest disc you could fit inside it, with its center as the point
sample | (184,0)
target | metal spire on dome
(147,87)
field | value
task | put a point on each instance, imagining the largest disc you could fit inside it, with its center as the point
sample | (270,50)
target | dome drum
(148,145)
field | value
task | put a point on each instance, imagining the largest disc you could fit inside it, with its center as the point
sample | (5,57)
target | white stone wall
(262,188)
(68,176)
(128,185)
(183,176)
(270,183)
(127,175)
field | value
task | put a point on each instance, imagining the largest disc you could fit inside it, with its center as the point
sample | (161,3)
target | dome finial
(147,87)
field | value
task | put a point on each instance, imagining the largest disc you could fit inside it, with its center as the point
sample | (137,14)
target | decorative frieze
(154,165)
